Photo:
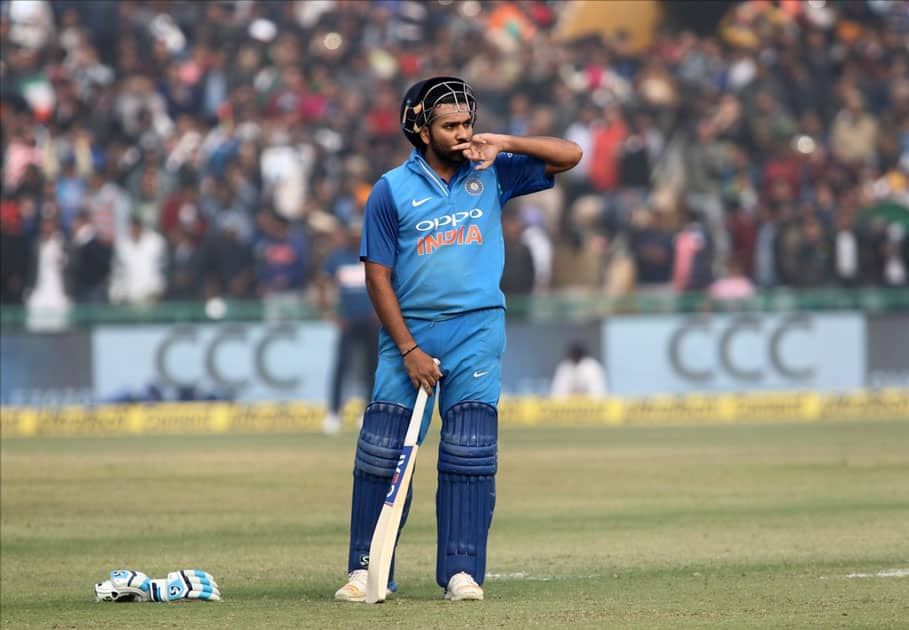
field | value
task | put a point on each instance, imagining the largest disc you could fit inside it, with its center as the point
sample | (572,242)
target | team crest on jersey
(473,186)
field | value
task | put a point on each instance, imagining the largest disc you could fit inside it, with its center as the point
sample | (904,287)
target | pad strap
(381,439)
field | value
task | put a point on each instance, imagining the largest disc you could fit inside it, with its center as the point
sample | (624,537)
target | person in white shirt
(579,374)
(47,300)
(138,266)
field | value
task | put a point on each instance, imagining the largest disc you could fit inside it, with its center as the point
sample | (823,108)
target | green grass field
(733,526)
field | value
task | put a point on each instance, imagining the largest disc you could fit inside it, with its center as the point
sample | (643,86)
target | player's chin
(453,157)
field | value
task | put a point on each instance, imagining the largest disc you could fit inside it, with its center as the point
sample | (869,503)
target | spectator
(20,153)
(139,261)
(846,249)
(538,240)
(281,256)
(734,286)
(637,152)
(766,247)
(220,205)
(872,252)
(579,252)
(71,190)
(578,374)
(184,278)
(607,143)
(227,263)
(182,210)
(853,136)
(107,106)
(14,253)
(620,269)
(518,275)
(651,248)
(89,261)
(581,132)
(46,296)
(740,225)
(149,188)
(788,245)
(895,269)
(813,258)
(704,169)
(692,265)
(109,207)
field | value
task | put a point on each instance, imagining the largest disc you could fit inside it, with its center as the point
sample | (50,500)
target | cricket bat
(382,547)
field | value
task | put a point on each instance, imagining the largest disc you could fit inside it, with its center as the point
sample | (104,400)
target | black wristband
(404,354)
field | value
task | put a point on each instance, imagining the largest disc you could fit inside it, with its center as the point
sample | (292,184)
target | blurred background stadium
(731,257)
(176,173)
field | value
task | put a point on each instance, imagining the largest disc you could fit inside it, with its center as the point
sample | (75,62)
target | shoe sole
(352,599)
(357,599)
(466,597)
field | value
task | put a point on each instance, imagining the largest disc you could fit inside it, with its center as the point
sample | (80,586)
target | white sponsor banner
(676,354)
(281,362)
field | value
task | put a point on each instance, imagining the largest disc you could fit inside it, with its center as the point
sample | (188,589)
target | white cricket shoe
(331,425)
(355,589)
(462,587)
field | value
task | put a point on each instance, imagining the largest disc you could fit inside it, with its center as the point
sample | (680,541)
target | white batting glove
(134,586)
(123,586)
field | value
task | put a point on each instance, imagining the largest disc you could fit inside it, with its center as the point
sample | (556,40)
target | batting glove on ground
(134,586)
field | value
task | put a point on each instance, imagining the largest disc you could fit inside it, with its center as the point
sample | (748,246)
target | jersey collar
(418,164)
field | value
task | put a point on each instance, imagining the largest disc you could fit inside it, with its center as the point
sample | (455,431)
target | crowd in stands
(182,150)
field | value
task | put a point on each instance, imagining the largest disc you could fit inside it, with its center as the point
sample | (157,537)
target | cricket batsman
(433,250)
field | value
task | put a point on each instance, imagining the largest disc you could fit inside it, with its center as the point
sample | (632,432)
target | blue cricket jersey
(345,268)
(443,241)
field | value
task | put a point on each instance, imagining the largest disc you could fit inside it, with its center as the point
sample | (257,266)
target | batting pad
(466,496)
(378,449)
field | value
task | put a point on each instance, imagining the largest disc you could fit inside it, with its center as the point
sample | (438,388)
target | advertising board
(643,355)
(677,354)
(245,362)
(45,369)
(887,346)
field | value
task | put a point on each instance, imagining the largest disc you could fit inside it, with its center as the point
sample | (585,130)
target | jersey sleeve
(520,175)
(380,226)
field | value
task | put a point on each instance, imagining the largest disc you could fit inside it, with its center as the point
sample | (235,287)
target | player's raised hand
(482,148)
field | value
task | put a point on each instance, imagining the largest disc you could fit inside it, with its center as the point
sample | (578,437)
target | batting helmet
(422,97)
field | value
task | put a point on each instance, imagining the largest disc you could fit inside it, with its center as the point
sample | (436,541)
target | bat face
(385,535)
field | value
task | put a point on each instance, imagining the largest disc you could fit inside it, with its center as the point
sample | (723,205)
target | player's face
(449,128)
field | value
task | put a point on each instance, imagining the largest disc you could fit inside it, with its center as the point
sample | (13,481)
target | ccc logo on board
(213,363)
(719,339)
